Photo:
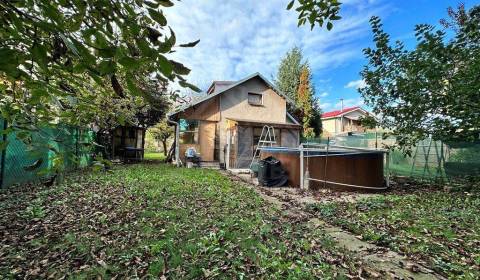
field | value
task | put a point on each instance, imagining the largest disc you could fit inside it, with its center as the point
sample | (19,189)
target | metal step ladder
(267,139)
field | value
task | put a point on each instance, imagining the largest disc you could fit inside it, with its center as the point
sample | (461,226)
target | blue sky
(240,37)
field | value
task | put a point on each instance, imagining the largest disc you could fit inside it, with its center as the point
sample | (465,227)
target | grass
(154,220)
(154,156)
(439,228)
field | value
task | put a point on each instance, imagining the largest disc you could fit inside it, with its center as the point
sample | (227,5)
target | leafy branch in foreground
(317,12)
(59,56)
(432,90)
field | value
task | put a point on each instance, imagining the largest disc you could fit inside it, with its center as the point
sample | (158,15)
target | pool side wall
(362,168)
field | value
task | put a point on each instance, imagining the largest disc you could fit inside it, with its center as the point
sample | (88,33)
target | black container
(271,173)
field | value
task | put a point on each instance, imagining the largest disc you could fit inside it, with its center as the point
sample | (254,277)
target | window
(188,131)
(255,99)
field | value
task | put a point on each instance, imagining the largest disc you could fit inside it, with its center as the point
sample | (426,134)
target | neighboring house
(225,126)
(343,121)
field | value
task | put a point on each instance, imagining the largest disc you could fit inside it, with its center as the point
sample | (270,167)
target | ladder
(267,139)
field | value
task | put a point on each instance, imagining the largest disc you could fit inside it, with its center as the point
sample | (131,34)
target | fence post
(301,167)
(4,153)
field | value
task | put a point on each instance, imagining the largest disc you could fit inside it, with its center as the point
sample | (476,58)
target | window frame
(195,132)
(255,93)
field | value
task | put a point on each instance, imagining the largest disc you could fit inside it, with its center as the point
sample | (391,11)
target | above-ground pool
(335,167)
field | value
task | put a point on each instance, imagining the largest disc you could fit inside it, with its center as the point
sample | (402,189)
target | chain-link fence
(431,160)
(37,154)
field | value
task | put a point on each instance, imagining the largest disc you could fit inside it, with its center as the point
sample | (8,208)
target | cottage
(225,126)
(343,121)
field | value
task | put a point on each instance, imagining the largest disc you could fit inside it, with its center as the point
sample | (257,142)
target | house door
(207,140)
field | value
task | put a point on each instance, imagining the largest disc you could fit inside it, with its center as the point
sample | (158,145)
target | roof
(211,88)
(338,113)
(289,116)
(257,122)
(258,75)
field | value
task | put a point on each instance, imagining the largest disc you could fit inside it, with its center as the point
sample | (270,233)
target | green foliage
(316,12)
(432,89)
(304,101)
(60,57)
(288,74)
(161,132)
(289,80)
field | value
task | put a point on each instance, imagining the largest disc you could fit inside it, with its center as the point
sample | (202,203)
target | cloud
(240,37)
(323,94)
(325,106)
(356,84)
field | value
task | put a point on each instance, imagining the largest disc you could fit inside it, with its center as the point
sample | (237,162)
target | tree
(288,81)
(316,122)
(161,132)
(304,97)
(57,57)
(288,75)
(432,90)
(317,12)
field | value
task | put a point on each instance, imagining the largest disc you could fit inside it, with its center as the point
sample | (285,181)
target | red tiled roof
(339,112)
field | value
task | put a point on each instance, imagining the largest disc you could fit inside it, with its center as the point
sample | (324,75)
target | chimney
(341,102)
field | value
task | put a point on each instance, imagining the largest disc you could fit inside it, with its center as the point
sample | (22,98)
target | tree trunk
(170,153)
(165,152)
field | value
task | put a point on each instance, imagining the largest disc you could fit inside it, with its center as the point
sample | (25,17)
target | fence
(430,160)
(49,148)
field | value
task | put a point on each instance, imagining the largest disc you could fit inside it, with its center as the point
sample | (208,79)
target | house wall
(206,111)
(328,127)
(234,104)
(208,114)
(334,126)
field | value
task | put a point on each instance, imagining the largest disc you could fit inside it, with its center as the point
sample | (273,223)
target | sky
(241,37)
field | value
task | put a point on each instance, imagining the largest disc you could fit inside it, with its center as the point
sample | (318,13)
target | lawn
(154,156)
(438,228)
(155,221)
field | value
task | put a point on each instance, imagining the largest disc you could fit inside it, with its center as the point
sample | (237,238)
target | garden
(438,228)
(154,220)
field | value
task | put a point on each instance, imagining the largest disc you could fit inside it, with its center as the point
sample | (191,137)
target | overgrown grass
(442,229)
(150,220)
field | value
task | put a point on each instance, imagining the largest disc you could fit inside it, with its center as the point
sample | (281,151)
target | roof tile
(339,112)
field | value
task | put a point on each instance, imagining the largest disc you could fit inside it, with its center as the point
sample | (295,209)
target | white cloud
(356,84)
(240,37)
(323,94)
(326,106)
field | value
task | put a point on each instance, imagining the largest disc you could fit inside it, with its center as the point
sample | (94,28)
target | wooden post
(227,156)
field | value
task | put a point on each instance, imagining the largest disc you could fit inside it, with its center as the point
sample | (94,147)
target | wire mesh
(49,148)
(430,160)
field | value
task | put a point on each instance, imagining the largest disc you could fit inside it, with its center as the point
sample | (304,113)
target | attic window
(255,99)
